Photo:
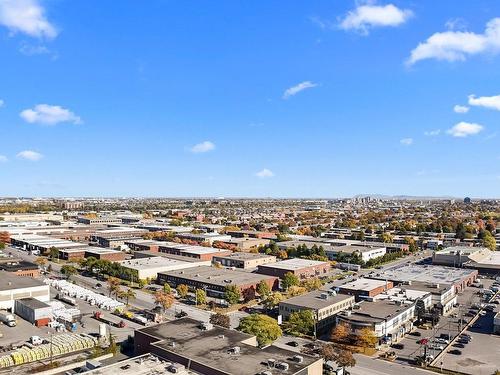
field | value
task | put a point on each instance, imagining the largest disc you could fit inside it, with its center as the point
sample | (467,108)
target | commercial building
(213,350)
(14,287)
(215,280)
(99,220)
(389,320)
(365,252)
(364,288)
(244,260)
(325,306)
(19,267)
(251,234)
(302,268)
(149,268)
(116,237)
(209,238)
(144,245)
(244,244)
(34,311)
(192,251)
(35,242)
(481,259)
(433,275)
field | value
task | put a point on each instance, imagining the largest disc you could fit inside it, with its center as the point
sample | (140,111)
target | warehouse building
(192,251)
(149,268)
(215,280)
(213,350)
(99,220)
(35,242)
(325,306)
(244,260)
(144,245)
(243,244)
(209,238)
(14,287)
(251,234)
(19,267)
(302,268)
(34,311)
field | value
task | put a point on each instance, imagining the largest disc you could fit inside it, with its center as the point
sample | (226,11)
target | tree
(273,299)
(232,294)
(129,295)
(295,290)
(165,300)
(182,290)
(41,261)
(312,284)
(489,241)
(263,289)
(201,297)
(53,253)
(341,357)
(167,288)
(219,319)
(113,285)
(301,323)
(68,270)
(366,338)
(289,280)
(340,333)
(385,237)
(265,328)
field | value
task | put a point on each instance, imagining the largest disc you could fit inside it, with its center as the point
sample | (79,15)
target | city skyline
(318,99)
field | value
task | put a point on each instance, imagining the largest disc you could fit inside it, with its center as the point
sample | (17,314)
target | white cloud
(205,146)
(30,155)
(49,115)
(490,102)
(26,16)
(461,109)
(294,90)
(265,173)
(432,133)
(458,45)
(464,129)
(367,16)
(3,159)
(406,141)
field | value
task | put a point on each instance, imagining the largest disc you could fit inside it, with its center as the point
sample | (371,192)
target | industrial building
(35,242)
(192,251)
(302,268)
(14,287)
(208,238)
(91,251)
(99,220)
(481,259)
(34,311)
(325,306)
(243,244)
(149,268)
(364,288)
(213,350)
(244,260)
(144,245)
(215,280)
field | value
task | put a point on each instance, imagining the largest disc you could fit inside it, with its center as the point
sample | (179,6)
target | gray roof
(8,281)
(314,301)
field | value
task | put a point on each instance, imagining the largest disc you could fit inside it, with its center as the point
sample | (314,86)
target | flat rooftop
(377,311)
(245,256)
(212,348)
(154,262)
(294,264)
(313,300)
(363,284)
(9,281)
(192,249)
(147,364)
(349,249)
(217,276)
(425,273)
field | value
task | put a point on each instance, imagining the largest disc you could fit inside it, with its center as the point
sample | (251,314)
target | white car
(442,341)
(437,347)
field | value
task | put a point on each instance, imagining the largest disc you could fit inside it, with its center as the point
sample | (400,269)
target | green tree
(273,300)
(182,290)
(300,323)
(68,270)
(289,280)
(366,338)
(265,328)
(201,297)
(167,288)
(232,294)
(129,295)
(220,319)
(489,241)
(53,253)
(263,289)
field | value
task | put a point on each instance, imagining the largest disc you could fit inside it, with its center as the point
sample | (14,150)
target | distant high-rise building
(467,200)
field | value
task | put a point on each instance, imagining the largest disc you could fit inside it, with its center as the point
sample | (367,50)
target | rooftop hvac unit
(324,295)
(266,373)
(298,358)
(235,350)
(206,326)
(271,362)
(283,366)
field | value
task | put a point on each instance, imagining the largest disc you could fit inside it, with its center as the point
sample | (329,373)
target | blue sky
(249,98)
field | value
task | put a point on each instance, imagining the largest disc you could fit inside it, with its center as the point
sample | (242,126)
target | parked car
(445,336)
(415,333)
(439,340)
(292,343)
(398,346)
(459,345)
(437,346)
(455,351)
